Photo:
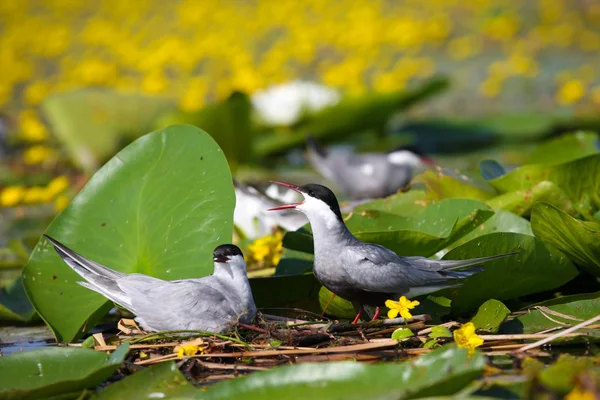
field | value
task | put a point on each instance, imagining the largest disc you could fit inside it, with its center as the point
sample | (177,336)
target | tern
(365,273)
(368,175)
(213,303)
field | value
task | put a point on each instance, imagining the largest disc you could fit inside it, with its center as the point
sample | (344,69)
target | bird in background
(367,175)
(365,273)
(213,303)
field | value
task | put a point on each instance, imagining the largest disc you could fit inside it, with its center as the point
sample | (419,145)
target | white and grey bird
(213,303)
(367,175)
(364,273)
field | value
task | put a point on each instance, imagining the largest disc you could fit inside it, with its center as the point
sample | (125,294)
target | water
(14,339)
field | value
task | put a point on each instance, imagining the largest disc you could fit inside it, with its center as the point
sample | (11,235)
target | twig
(559,334)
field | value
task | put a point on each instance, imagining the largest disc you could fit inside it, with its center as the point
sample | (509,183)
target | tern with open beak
(213,303)
(364,273)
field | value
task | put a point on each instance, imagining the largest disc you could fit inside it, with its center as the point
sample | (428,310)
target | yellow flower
(32,129)
(36,92)
(37,154)
(402,307)
(61,202)
(267,248)
(57,185)
(570,92)
(34,195)
(189,350)
(467,338)
(580,394)
(11,196)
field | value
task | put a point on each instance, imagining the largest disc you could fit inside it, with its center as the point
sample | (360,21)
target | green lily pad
(300,291)
(522,201)
(440,332)
(159,207)
(501,221)
(402,333)
(565,299)
(442,186)
(404,204)
(94,123)
(441,372)
(535,320)
(337,307)
(162,381)
(560,376)
(56,371)
(583,189)
(538,267)
(579,240)
(14,305)
(294,263)
(565,148)
(490,316)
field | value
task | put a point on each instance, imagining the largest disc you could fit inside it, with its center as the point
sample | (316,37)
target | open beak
(285,206)
(221,259)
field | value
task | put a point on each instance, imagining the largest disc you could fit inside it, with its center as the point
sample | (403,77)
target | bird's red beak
(285,206)
(221,259)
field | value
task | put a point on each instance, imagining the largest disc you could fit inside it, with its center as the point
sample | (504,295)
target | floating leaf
(404,204)
(14,305)
(95,123)
(490,316)
(159,207)
(566,147)
(537,267)
(440,332)
(560,376)
(537,320)
(336,306)
(441,372)
(501,221)
(162,381)
(301,291)
(578,239)
(521,201)
(402,333)
(55,371)
(440,186)
(583,189)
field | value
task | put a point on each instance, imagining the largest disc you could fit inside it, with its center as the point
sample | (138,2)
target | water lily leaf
(441,372)
(501,221)
(441,185)
(402,333)
(521,201)
(14,305)
(579,240)
(404,204)
(491,169)
(294,263)
(43,373)
(541,319)
(337,306)
(162,381)
(94,123)
(537,267)
(565,148)
(564,299)
(300,291)
(560,376)
(490,316)
(159,207)
(582,189)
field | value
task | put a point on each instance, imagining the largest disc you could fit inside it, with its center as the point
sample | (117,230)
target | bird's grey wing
(185,304)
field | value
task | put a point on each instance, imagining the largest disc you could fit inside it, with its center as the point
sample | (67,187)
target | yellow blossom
(32,129)
(36,92)
(467,338)
(267,249)
(61,202)
(190,348)
(11,196)
(570,92)
(57,185)
(402,307)
(34,195)
(580,394)
(37,154)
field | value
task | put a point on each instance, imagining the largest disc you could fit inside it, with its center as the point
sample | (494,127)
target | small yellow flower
(570,92)
(467,338)
(57,185)
(34,195)
(61,202)
(267,249)
(189,350)
(402,307)
(37,154)
(580,394)
(11,196)
(32,129)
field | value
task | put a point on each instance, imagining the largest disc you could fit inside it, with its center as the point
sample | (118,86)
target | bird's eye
(311,193)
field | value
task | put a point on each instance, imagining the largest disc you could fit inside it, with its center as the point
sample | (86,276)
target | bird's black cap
(227,250)
(324,194)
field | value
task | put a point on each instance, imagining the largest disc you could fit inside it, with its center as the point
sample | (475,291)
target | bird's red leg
(377,310)
(360,310)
